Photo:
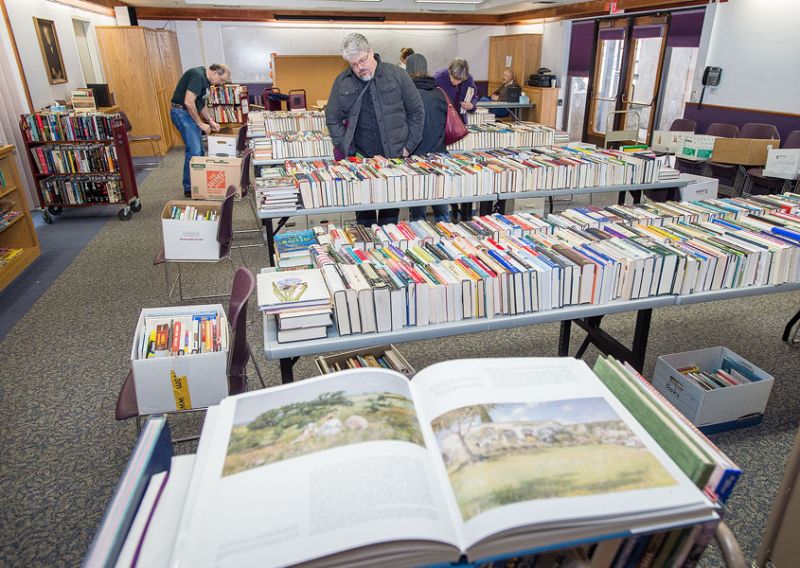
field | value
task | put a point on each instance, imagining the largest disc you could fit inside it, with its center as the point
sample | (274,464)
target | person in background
(509,83)
(190,114)
(435,120)
(373,109)
(405,52)
(455,81)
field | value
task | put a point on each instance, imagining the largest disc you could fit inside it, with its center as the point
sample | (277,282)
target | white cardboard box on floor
(721,406)
(162,383)
(223,144)
(190,240)
(700,187)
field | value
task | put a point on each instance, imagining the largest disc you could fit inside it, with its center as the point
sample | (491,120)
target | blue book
(294,243)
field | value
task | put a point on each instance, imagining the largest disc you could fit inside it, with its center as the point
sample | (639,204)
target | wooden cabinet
(545,99)
(19,234)
(524,51)
(142,67)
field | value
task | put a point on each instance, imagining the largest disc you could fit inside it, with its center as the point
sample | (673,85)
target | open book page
(541,443)
(308,470)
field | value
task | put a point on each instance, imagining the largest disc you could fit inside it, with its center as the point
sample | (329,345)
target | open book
(479,457)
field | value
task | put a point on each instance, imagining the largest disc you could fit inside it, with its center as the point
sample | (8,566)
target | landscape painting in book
(323,420)
(499,454)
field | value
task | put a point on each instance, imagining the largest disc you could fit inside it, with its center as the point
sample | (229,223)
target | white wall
(756,42)
(21,14)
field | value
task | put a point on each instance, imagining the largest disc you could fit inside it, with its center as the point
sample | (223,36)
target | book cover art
(293,289)
(294,242)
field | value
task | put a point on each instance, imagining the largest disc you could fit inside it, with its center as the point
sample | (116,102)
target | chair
(297,99)
(756,183)
(224,237)
(272,103)
(241,139)
(734,173)
(244,283)
(698,167)
(151,138)
(249,193)
(683,125)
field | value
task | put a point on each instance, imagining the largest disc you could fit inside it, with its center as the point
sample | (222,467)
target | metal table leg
(563,338)
(268,229)
(287,374)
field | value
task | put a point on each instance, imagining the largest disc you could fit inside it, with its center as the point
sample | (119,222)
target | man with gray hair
(190,114)
(374,109)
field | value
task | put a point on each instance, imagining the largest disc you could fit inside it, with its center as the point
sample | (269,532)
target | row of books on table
(55,127)
(276,190)
(301,144)
(504,135)
(471,463)
(72,190)
(515,264)
(82,158)
(261,122)
(441,176)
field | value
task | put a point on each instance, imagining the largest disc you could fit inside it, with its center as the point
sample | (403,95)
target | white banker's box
(163,383)
(191,239)
(699,187)
(722,408)
(783,164)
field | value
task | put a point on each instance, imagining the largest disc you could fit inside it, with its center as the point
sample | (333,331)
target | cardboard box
(669,141)
(783,164)
(718,409)
(210,176)
(223,143)
(340,358)
(190,240)
(743,151)
(699,187)
(162,383)
(697,147)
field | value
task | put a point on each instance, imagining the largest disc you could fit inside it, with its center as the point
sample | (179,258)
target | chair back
(297,99)
(246,181)
(241,139)
(793,140)
(683,125)
(273,103)
(722,129)
(244,283)
(226,221)
(125,121)
(760,131)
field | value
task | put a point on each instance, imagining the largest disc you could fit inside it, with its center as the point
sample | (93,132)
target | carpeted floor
(62,365)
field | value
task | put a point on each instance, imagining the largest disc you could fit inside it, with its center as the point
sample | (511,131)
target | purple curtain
(685,28)
(581,48)
(644,32)
(612,33)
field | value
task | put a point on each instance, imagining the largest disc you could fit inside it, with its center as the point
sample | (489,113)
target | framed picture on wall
(51,50)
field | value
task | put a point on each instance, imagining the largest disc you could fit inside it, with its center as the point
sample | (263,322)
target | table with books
(511,107)
(420,280)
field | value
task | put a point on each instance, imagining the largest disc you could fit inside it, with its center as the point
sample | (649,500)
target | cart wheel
(46,217)
(136,205)
(55,210)
(125,214)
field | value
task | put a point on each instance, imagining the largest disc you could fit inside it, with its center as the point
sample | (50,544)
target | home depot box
(223,143)
(699,187)
(783,164)
(697,147)
(668,140)
(186,239)
(717,409)
(743,151)
(210,176)
(183,382)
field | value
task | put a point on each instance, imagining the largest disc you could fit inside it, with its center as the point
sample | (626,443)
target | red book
(176,337)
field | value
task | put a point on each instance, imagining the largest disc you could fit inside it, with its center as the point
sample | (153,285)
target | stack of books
(300,301)
(190,213)
(67,159)
(8,214)
(276,191)
(83,101)
(170,336)
(292,249)
(77,190)
(560,137)
(255,124)
(480,116)
(294,121)
(281,146)
(491,136)
(440,176)
(52,127)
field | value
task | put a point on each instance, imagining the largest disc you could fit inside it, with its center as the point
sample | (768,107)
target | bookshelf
(18,234)
(228,104)
(80,162)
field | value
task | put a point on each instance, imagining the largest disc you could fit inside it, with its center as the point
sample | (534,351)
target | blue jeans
(192,138)
(440,213)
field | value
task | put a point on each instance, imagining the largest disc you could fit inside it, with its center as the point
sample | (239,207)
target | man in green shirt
(189,112)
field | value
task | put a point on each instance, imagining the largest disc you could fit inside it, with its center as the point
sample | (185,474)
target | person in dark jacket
(456,81)
(435,120)
(373,109)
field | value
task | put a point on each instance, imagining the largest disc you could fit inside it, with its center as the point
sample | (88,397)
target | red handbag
(454,129)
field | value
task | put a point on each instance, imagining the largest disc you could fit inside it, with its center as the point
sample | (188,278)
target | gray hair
(220,69)
(458,69)
(354,44)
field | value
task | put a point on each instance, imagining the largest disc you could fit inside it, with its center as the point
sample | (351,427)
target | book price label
(180,390)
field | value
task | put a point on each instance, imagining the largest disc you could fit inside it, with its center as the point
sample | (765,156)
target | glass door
(605,95)
(644,73)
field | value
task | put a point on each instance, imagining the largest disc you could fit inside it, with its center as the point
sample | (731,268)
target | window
(678,85)
(81,28)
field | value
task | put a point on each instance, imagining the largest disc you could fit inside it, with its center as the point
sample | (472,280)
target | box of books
(714,388)
(223,143)
(669,141)
(783,164)
(697,147)
(743,151)
(381,357)
(190,230)
(699,187)
(211,176)
(180,358)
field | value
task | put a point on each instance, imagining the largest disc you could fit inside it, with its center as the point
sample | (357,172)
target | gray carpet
(62,365)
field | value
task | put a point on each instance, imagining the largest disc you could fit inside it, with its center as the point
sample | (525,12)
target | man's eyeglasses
(361,62)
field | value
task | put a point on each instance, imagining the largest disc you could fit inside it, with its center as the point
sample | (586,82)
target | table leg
(640,335)
(563,338)
(787,331)
(287,374)
(268,229)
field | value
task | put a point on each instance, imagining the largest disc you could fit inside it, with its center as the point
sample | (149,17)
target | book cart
(123,172)
(229,104)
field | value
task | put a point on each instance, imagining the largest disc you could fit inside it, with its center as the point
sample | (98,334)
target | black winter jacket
(435,116)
